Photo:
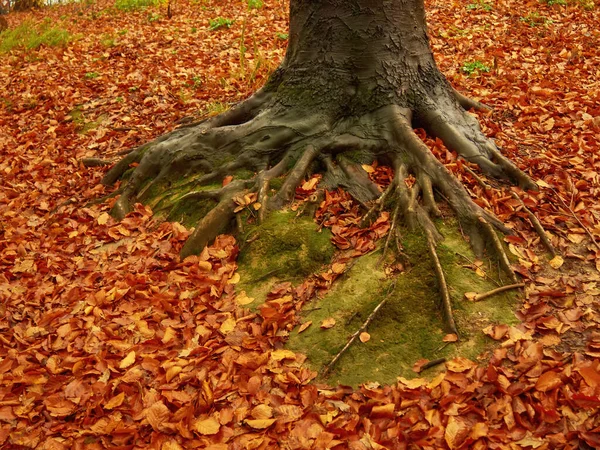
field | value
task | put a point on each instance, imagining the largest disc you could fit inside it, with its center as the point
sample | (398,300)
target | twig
(432,363)
(587,231)
(439,272)
(362,328)
(487,277)
(537,225)
(499,290)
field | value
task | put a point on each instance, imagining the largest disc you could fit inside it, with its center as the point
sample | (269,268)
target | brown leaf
(157,415)
(450,338)
(260,424)
(128,360)
(206,426)
(304,326)
(548,381)
(116,401)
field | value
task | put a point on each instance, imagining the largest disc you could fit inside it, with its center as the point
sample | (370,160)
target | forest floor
(109,340)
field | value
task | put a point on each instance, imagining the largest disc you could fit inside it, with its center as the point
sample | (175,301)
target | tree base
(276,135)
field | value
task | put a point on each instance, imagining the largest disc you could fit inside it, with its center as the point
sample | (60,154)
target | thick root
(263,137)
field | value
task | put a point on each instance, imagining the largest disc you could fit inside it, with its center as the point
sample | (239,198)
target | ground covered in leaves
(109,340)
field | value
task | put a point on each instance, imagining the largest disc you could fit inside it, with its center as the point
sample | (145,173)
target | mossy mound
(283,248)
(409,327)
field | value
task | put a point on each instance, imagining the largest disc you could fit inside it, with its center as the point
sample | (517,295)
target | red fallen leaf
(227,180)
(548,381)
(590,375)
(586,401)
(496,332)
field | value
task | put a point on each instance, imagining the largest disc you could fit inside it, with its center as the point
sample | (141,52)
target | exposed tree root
(275,140)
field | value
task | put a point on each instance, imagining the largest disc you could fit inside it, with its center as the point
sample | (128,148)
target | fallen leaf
(304,326)
(103,218)
(364,337)
(207,426)
(556,262)
(260,424)
(128,360)
(328,323)
(116,401)
(548,381)
(450,338)
(242,299)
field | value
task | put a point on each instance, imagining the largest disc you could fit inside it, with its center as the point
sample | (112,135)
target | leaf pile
(109,340)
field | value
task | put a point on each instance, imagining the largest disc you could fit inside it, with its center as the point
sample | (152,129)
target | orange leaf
(328,323)
(364,337)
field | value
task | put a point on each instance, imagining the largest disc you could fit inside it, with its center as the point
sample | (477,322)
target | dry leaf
(103,218)
(128,360)
(242,299)
(116,401)
(304,326)
(364,337)
(556,262)
(450,338)
(338,268)
(328,323)
(260,424)
(207,426)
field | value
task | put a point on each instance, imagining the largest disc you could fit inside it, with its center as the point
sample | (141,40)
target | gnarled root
(264,137)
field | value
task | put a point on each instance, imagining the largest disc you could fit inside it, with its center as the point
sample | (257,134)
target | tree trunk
(358,75)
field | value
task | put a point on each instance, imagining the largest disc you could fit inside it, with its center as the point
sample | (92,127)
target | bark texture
(358,75)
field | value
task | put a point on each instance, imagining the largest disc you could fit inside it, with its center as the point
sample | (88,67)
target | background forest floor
(108,340)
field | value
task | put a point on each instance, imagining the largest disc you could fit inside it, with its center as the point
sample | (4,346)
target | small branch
(433,363)
(581,224)
(362,328)
(537,225)
(446,304)
(377,206)
(499,290)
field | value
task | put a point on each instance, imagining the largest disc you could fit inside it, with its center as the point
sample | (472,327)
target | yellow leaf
(116,401)
(103,218)
(173,372)
(170,333)
(228,326)
(471,296)
(235,279)
(480,272)
(415,383)
(364,337)
(204,265)
(242,299)
(279,355)
(128,360)
(328,323)
(556,262)
(310,184)
(338,268)
(304,326)
(367,168)
(260,424)
(257,206)
(262,412)
(207,426)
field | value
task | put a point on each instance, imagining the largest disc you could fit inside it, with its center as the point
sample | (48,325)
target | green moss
(84,124)
(30,36)
(283,248)
(410,326)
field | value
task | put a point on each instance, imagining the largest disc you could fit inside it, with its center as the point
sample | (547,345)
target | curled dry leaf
(116,401)
(418,366)
(328,323)
(471,296)
(128,360)
(304,326)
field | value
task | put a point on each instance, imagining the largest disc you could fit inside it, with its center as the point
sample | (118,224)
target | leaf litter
(110,341)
